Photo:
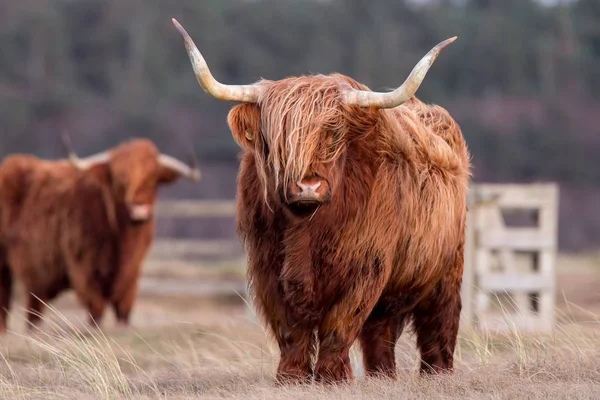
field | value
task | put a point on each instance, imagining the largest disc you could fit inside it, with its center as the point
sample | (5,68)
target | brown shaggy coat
(63,228)
(386,248)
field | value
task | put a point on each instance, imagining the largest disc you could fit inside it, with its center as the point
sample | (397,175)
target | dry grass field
(206,346)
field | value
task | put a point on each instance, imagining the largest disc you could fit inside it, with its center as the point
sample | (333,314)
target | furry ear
(244,122)
(167,175)
(100,172)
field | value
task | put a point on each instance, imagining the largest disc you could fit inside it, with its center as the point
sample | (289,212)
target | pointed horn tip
(66,139)
(196,175)
(448,41)
(180,28)
(435,51)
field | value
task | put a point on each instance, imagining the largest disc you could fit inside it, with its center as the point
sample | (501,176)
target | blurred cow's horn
(85,163)
(89,162)
(192,173)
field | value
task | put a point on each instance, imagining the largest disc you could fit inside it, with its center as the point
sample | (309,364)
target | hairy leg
(92,299)
(134,248)
(337,333)
(35,309)
(333,364)
(296,347)
(343,322)
(5,295)
(378,339)
(124,304)
(95,305)
(296,344)
(436,320)
(262,232)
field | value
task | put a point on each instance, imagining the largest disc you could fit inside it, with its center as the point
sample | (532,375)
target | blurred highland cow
(84,224)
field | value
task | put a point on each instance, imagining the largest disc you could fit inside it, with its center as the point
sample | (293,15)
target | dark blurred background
(523,80)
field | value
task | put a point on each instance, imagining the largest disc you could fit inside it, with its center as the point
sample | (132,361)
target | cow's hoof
(339,372)
(293,376)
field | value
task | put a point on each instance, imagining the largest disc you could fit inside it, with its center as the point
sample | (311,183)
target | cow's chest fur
(320,269)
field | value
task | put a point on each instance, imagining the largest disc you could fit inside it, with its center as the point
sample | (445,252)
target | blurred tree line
(523,79)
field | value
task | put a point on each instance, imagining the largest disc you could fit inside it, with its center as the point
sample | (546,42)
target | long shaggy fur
(62,228)
(386,250)
(294,112)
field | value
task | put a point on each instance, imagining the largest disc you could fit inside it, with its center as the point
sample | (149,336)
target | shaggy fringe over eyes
(294,114)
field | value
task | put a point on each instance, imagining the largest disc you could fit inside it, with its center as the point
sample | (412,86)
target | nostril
(140,212)
(309,186)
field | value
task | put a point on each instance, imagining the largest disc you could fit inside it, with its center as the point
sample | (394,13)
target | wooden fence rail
(196,208)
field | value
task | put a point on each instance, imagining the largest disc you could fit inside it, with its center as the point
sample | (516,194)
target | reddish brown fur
(62,228)
(387,248)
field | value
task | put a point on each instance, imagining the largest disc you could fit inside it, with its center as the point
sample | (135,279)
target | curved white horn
(243,93)
(85,163)
(176,165)
(365,98)
(89,162)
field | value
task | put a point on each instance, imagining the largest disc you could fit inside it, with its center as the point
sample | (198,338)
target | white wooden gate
(509,278)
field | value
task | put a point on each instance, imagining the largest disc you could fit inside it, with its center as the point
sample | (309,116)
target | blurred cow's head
(136,168)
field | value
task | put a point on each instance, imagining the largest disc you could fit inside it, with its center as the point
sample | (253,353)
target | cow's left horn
(192,173)
(85,163)
(243,93)
(364,98)
(89,162)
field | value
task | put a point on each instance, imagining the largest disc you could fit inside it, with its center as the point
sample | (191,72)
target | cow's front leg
(343,322)
(123,304)
(90,296)
(296,333)
(296,341)
(297,346)
(296,336)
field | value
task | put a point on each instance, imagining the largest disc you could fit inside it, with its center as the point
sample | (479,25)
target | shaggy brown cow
(351,206)
(82,224)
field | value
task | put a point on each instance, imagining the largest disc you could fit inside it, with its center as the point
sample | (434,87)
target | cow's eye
(264,148)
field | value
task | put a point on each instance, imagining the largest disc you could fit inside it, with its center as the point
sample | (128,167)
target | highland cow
(84,224)
(351,205)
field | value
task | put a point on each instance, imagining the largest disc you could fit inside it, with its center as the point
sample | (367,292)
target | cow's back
(441,123)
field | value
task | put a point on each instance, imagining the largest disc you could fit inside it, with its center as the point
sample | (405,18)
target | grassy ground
(197,347)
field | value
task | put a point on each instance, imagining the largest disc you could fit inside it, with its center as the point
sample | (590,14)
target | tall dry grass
(233,358)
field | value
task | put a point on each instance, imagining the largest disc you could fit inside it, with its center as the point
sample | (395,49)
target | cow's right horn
(243,93)
(192,172)
(365,98)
